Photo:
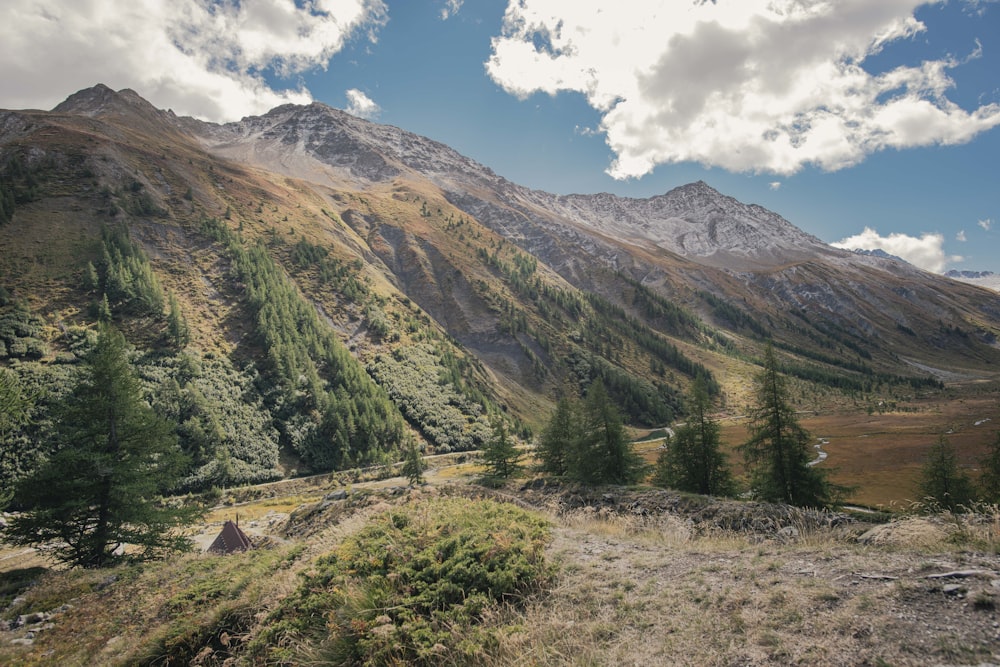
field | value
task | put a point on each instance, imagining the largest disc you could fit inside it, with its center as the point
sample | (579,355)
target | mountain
(330,270)
(986,279)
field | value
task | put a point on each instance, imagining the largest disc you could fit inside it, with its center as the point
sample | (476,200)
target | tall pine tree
(559,438)
(691,460)
(500,455)
(942,482)
(603,453)
(778,452)
(114,457)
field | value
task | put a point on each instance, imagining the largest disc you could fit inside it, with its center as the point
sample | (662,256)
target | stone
(339,494)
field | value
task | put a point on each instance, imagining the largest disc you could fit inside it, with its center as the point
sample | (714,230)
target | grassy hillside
(541,576)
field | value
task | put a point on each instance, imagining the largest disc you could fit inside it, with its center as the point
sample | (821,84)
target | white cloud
(927,251)
(960,236)
(360,105)
(774,185)
(747,85)
(450,8)
(986,224)
(200,58)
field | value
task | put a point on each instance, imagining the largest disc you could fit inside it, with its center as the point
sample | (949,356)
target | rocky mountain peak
(101,100)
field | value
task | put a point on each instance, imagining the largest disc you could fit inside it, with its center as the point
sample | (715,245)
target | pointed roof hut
(230,540)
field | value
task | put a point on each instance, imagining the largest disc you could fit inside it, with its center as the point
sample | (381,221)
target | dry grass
(644,592)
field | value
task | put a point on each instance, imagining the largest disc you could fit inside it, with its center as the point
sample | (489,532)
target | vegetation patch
(418,585)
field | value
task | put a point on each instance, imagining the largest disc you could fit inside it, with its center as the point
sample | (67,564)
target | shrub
(413,587)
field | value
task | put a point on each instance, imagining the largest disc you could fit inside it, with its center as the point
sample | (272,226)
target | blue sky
(851,118)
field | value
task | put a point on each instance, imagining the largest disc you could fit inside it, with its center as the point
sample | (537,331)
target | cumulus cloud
(747,85)
(204,59)
(927,251)
(986,224)
(360,105)
(960,236)
(774,185)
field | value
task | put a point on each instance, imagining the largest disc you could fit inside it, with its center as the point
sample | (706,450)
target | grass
(397,580)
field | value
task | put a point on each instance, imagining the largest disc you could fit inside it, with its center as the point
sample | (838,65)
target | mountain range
(425,264)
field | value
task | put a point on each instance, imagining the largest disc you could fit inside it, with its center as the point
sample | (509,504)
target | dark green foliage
(414,586)
(604,454)
(942,482)
(778,451)
(331,411)
(431,397)
(560,437)
(15,411)
(19,332)
(222,423)
(177,326)
(127,278)
(691,460)
(586,441)
(662,313)
(641,401)
(614,318)
(989,480)
(18,185)
(733,317)
(342,276)
(27,442)
(500,455)
(99,490)
(413,464)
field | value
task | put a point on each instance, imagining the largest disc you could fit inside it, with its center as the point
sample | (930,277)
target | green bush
(413,587)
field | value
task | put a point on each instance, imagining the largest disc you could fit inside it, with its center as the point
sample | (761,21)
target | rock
(788,532)
(4,625)
(339,494)
(953,589)
(22,641)
(31,619)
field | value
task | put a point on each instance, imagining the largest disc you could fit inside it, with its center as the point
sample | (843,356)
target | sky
(868,123)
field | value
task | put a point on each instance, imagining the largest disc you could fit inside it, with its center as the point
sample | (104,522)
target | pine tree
(778,452)
(413,464)
(603,455)
(942,481)
(691,460)
(177,326)
(559,438)
(501,457)
(114,457)
(989,481)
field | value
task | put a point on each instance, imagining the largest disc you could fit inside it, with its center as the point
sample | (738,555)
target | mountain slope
(461,296)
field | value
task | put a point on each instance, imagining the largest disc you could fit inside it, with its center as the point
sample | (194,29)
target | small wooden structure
(230,540)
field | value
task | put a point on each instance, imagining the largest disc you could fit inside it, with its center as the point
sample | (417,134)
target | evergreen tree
(989,481)
(691,460)
(603,455)
(778,452)
(413,464)
(502,458)
(114,457)
(177,326)
(559,438)
(942,481)
(104,310)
